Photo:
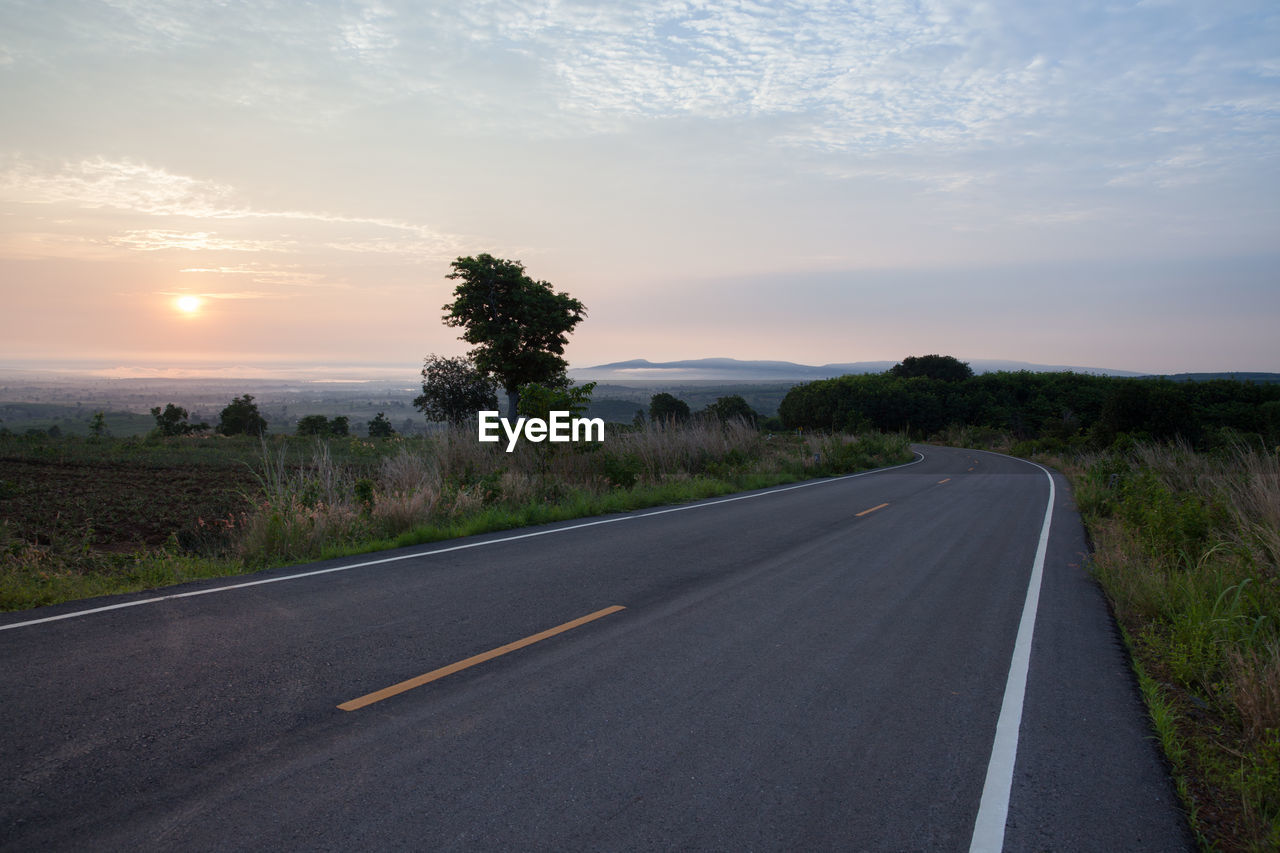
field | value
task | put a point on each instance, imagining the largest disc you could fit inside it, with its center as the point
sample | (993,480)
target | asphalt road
(813,668)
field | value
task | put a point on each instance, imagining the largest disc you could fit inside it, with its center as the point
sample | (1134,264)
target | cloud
(128,186)
(827,75)
(370,34)
(439,248)
(1181,167)
(240,294)
(195,241)
(288,275)
(864,76)
(120,184)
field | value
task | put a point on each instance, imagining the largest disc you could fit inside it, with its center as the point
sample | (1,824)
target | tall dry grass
(450,477)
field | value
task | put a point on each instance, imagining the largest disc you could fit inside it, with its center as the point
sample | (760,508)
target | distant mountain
(1260,378)
(720,369)
(731,369)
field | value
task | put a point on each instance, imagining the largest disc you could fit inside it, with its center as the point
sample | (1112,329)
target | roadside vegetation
(82,517)
(1187,547)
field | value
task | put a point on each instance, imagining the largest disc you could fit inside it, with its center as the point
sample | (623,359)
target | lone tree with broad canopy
(520,326)
(666,408)
(453,390)
(242,416)
(730,408)
(944,367)
(313,425)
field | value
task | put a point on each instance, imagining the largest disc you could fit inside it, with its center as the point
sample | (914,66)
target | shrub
(241,417)
(380,427)
(1186,546)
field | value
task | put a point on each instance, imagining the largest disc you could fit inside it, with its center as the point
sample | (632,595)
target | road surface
(816,667)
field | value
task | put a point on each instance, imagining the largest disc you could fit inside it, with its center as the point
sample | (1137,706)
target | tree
(539,401)
(98,426)
(380,427)
(519,326)
(242,416)
(934,366)
(313,425)
(733,406)
(320,425)
(664,407)
(453,390)
(173,421)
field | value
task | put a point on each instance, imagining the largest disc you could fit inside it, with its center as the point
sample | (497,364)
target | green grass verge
(26,583)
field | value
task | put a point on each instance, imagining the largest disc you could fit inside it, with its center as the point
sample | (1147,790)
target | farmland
(115,506)
(82,517)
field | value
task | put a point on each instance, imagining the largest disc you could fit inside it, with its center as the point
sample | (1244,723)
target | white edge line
(993,811)
(417,554)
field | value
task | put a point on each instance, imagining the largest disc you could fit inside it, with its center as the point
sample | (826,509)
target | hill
(734,370)
(1264,378)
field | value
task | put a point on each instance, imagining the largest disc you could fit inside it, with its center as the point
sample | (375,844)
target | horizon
(816,183)
(370,373)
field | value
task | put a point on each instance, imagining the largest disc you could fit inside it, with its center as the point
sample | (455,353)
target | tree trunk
(513,403)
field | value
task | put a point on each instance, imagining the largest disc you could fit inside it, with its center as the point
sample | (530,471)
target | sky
(1092,184)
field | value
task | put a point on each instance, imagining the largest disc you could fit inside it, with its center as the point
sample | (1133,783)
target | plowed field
(115,507)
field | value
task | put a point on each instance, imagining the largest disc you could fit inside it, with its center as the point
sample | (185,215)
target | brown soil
(115,508)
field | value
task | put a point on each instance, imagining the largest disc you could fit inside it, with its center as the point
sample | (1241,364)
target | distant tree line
(667,408)
(241,417)
(924,399)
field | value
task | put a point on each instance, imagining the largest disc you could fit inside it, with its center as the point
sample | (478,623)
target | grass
(84,517)
(451,485)
(1187,547)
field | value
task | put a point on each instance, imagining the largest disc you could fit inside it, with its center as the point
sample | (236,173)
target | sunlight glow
(189,304)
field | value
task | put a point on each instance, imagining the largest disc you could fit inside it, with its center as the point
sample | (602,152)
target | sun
(189,304)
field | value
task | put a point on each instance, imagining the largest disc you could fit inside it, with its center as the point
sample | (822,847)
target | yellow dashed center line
(435,674)
(867,511)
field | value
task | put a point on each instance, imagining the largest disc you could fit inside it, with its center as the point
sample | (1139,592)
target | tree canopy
(312,425)
(319,425)
(664,407)
(1056,406)
(453,389)
(171,421)
(934,366)
(380,427)
(519,326)
(242,416)
(731,407)
(538,400)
